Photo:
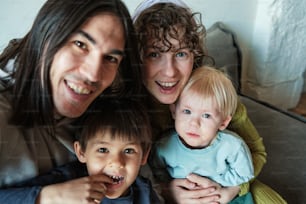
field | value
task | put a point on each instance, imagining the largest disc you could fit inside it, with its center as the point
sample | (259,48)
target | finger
(204,194)
(101,178)
(183,183)
(202,181)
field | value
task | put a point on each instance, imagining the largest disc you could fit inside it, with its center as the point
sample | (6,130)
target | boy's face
(197,120)
(116,158)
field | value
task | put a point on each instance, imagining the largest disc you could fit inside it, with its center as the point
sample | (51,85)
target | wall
(277,63)
(269,40)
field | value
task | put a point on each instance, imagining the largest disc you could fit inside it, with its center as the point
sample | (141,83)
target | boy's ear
(225,122)
(145,156)
(172,110)
(79,152)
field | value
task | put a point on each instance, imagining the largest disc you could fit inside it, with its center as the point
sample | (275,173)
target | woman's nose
(169,67)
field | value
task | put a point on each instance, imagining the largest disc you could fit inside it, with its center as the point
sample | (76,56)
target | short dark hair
(123,118)
(32,102)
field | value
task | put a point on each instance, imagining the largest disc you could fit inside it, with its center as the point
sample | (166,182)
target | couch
(284,134)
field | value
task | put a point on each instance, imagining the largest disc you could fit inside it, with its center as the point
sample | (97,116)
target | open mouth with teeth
(167,85)
(117,179)
(77,89)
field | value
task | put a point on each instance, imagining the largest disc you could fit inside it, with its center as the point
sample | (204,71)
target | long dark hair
(31,90)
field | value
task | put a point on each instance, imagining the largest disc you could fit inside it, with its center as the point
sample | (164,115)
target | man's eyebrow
(87,36)
(93,41)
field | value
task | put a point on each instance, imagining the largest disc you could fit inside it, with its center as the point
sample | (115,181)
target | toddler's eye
(186,111)
(206,115)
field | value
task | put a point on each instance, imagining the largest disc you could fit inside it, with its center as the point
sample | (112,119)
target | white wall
(253,22)
(16,17)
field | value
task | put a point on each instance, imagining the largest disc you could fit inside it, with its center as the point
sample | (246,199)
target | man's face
(87,64)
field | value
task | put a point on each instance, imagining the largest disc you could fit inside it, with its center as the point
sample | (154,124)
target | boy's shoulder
(143,191)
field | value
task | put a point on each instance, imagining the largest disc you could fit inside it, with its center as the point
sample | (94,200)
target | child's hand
(90,190)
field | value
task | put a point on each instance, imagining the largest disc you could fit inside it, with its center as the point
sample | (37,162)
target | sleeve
(59,174)
(240,165)
(26,192)
(242,125)
(19,195)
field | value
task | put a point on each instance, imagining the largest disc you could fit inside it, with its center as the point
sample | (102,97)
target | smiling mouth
(78,89)
(117,179)
(167,85)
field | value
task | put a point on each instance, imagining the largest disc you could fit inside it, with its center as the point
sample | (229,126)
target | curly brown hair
(164,21)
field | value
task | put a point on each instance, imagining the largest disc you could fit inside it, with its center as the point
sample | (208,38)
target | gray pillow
(221,44)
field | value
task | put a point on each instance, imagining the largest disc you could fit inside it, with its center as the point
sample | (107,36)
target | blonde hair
(211,83)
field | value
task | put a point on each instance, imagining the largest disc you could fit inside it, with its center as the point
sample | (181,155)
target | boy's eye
(206,115)
(129,151)
(186,111)
(102,150)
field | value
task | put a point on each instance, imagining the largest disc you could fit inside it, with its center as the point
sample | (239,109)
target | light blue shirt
(227,160)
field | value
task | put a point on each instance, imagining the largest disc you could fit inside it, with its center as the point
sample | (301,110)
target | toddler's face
(197,120)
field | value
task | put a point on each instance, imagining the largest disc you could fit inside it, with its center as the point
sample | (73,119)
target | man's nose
(92,68)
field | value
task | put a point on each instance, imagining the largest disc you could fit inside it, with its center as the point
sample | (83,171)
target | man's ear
(79,152)
(225,122)
(145,156)
(172,110)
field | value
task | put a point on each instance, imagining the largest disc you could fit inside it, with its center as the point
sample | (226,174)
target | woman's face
(87,64)
(166,73)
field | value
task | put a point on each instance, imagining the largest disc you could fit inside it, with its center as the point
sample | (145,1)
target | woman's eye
(206,115)
(153,55)
(80,44)
(186,111)
(102,150)
(181,54)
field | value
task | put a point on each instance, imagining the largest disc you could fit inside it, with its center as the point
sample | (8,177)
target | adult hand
(89,190)
(201,190)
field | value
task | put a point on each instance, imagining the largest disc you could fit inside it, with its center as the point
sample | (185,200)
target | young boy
(200,144)
(114,141)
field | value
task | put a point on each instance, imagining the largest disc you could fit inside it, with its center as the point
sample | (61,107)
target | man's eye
(102,150)
(186,111)
(112,59)
(80,44)
(206,115)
